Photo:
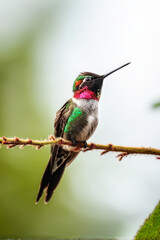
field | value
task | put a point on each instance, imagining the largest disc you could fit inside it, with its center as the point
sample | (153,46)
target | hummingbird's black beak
(106,75)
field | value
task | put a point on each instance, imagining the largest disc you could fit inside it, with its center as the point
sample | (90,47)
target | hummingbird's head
(86,82)
(88,85)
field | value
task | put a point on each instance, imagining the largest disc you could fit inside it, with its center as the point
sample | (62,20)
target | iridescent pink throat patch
(85,93)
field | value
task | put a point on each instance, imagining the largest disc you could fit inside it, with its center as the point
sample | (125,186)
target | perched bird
(75,121)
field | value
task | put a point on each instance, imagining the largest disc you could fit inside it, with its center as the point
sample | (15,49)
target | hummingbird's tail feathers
(71,158)
(53,182)
(54,171)
(45,180)
(50,181)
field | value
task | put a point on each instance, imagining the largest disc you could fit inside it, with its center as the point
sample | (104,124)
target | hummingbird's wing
(59,156)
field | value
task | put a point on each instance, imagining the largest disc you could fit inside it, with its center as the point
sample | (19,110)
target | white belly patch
(89,129)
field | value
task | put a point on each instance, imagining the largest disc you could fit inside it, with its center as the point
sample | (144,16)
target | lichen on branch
(123,150)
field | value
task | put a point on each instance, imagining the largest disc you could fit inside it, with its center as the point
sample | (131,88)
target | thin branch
(124,150)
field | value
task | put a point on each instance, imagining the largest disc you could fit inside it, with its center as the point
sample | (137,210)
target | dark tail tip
(54,181)
(49,193)
(47,198)
(49,182)
(44,181)
(39,195)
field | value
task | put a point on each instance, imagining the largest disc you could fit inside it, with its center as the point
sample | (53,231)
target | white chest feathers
(88,106)
(91,109)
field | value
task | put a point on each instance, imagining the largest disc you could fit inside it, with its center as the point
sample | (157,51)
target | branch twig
(124,150)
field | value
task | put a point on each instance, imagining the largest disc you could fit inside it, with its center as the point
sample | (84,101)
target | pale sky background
(99,36)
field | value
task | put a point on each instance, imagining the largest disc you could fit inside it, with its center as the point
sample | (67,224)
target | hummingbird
(76,121)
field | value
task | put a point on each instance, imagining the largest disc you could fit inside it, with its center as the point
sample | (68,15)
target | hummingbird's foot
(85,144)
(90,147)
(75,146)
(74,142)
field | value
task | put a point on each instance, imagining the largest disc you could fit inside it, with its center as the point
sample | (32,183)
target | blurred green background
(44,46)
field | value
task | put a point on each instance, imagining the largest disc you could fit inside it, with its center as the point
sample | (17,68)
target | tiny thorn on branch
(122,155)
(30,141)
(51,137)
(11,146)
(39,146)
(4,138)
(90,147)
(123,150)
(109,148)
(16,139)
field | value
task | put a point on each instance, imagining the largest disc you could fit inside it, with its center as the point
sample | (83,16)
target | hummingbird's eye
(87,79)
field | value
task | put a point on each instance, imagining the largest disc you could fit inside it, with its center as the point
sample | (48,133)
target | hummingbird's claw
(74,142)
(85,144)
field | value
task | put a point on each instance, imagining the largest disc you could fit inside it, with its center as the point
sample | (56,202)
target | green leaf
(150,230)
